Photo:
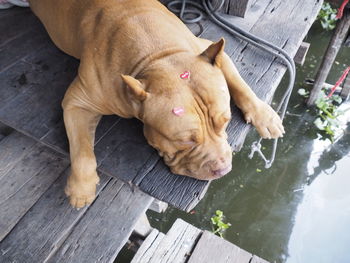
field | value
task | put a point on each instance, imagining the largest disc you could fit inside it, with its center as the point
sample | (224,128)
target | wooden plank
(106,226)
(45,226)
(238,7)
(255,12)
(177,245)
(23,185)
(300,56)
(4,13)
(186,243)
(21,46)
(180,191)
(29,73)
(158,206)
(2,131)
(37,73)
(211,248)
(233,7)
(148,247)
(142,227)
(12,149)
(5,130)
(43,93)
(15,22)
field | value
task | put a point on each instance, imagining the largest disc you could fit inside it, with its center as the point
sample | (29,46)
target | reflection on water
(321,225)
(298,210)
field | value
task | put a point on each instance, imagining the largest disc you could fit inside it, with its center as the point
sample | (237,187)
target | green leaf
(327,16)
(337,99)
(218,225)
(303,92)
(319,124)
(219,213)
(221,224)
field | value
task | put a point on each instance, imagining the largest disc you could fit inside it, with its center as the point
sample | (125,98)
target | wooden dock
(186,243)
(34,75)
(36,222)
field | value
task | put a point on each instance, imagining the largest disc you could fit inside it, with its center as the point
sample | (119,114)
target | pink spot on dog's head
(185,75)
(178,111)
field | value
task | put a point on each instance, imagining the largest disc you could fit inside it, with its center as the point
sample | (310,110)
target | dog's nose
(221,172)
(220,165)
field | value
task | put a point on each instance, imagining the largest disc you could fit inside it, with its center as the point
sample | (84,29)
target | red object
(185,75)
(341,9)
(340,80)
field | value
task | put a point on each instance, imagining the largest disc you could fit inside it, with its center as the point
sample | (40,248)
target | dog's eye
(185,145)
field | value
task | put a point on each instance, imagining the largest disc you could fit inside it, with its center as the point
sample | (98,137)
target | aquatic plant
(327,16)
(218,225)
(327,113)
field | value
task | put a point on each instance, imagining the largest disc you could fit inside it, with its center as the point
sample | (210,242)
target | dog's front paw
(81,192)
(265,120)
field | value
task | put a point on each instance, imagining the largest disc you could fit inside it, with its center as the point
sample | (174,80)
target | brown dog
(139,60)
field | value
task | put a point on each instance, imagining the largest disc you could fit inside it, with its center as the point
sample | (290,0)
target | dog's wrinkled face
(185,119)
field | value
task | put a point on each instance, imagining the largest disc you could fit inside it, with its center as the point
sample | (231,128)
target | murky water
(298,210)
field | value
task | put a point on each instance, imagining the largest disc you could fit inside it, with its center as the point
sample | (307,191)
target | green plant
(327,113)
(327,16)
(218,224)
(304,93)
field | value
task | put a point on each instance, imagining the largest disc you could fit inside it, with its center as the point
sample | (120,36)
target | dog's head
(184,104)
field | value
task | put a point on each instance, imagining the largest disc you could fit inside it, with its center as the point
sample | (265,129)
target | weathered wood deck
(37,224)
(34,75)
(186,243)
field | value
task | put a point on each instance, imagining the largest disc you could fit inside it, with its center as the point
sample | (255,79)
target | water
(298,210)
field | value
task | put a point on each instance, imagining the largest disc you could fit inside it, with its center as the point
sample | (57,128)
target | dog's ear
(214,50)
(135,88)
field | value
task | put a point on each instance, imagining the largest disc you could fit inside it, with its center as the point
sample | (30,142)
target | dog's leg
(80,126)
(256,111)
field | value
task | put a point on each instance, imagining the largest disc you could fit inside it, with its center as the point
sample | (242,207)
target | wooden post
(158,206)
(300,56)
(337,40)
(142,227)
(233,7)
(346,88)
(238,7)
(347,41)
